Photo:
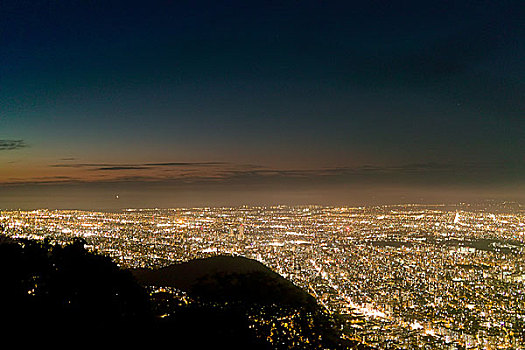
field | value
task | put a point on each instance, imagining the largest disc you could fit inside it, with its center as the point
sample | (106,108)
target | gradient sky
(190,103)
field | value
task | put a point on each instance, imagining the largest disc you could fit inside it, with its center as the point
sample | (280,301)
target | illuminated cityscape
(370,153)
(401,276)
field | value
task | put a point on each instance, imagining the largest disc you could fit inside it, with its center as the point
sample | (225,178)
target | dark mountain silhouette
(56,294)
(66,296)
(241,301)
(228,278)
(184,275)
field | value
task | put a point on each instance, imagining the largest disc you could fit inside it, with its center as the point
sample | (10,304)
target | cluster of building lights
(401,276)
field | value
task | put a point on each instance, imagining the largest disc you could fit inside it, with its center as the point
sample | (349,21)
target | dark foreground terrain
(67,296)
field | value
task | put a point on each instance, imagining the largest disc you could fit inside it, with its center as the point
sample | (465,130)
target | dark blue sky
(221,99)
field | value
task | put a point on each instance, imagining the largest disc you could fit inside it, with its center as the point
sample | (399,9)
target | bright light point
(430,332)
(416,325)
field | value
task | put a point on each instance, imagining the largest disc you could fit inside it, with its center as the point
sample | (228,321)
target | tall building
(240,235)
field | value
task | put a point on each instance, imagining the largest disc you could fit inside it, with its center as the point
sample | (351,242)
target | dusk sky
(203,103)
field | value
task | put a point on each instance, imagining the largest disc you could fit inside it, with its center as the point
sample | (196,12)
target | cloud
(134,166)
(9,145)
(121,168)
(85,165)
(185,164)
(43,180)
(202,173)
(429,172)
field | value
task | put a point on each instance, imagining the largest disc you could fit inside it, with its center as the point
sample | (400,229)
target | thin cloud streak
(227,173)
(119,166)
(9,145)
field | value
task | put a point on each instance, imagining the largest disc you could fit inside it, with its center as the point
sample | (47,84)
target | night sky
(204,103)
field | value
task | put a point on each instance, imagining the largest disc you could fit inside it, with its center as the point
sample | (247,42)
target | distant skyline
(197,103)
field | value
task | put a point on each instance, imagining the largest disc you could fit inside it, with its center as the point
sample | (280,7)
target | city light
(400,276)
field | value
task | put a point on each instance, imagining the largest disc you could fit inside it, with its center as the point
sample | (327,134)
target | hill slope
(184,275)
(231,302)
(241,301)
(228,278)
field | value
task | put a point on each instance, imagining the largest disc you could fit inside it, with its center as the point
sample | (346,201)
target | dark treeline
(62,294)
